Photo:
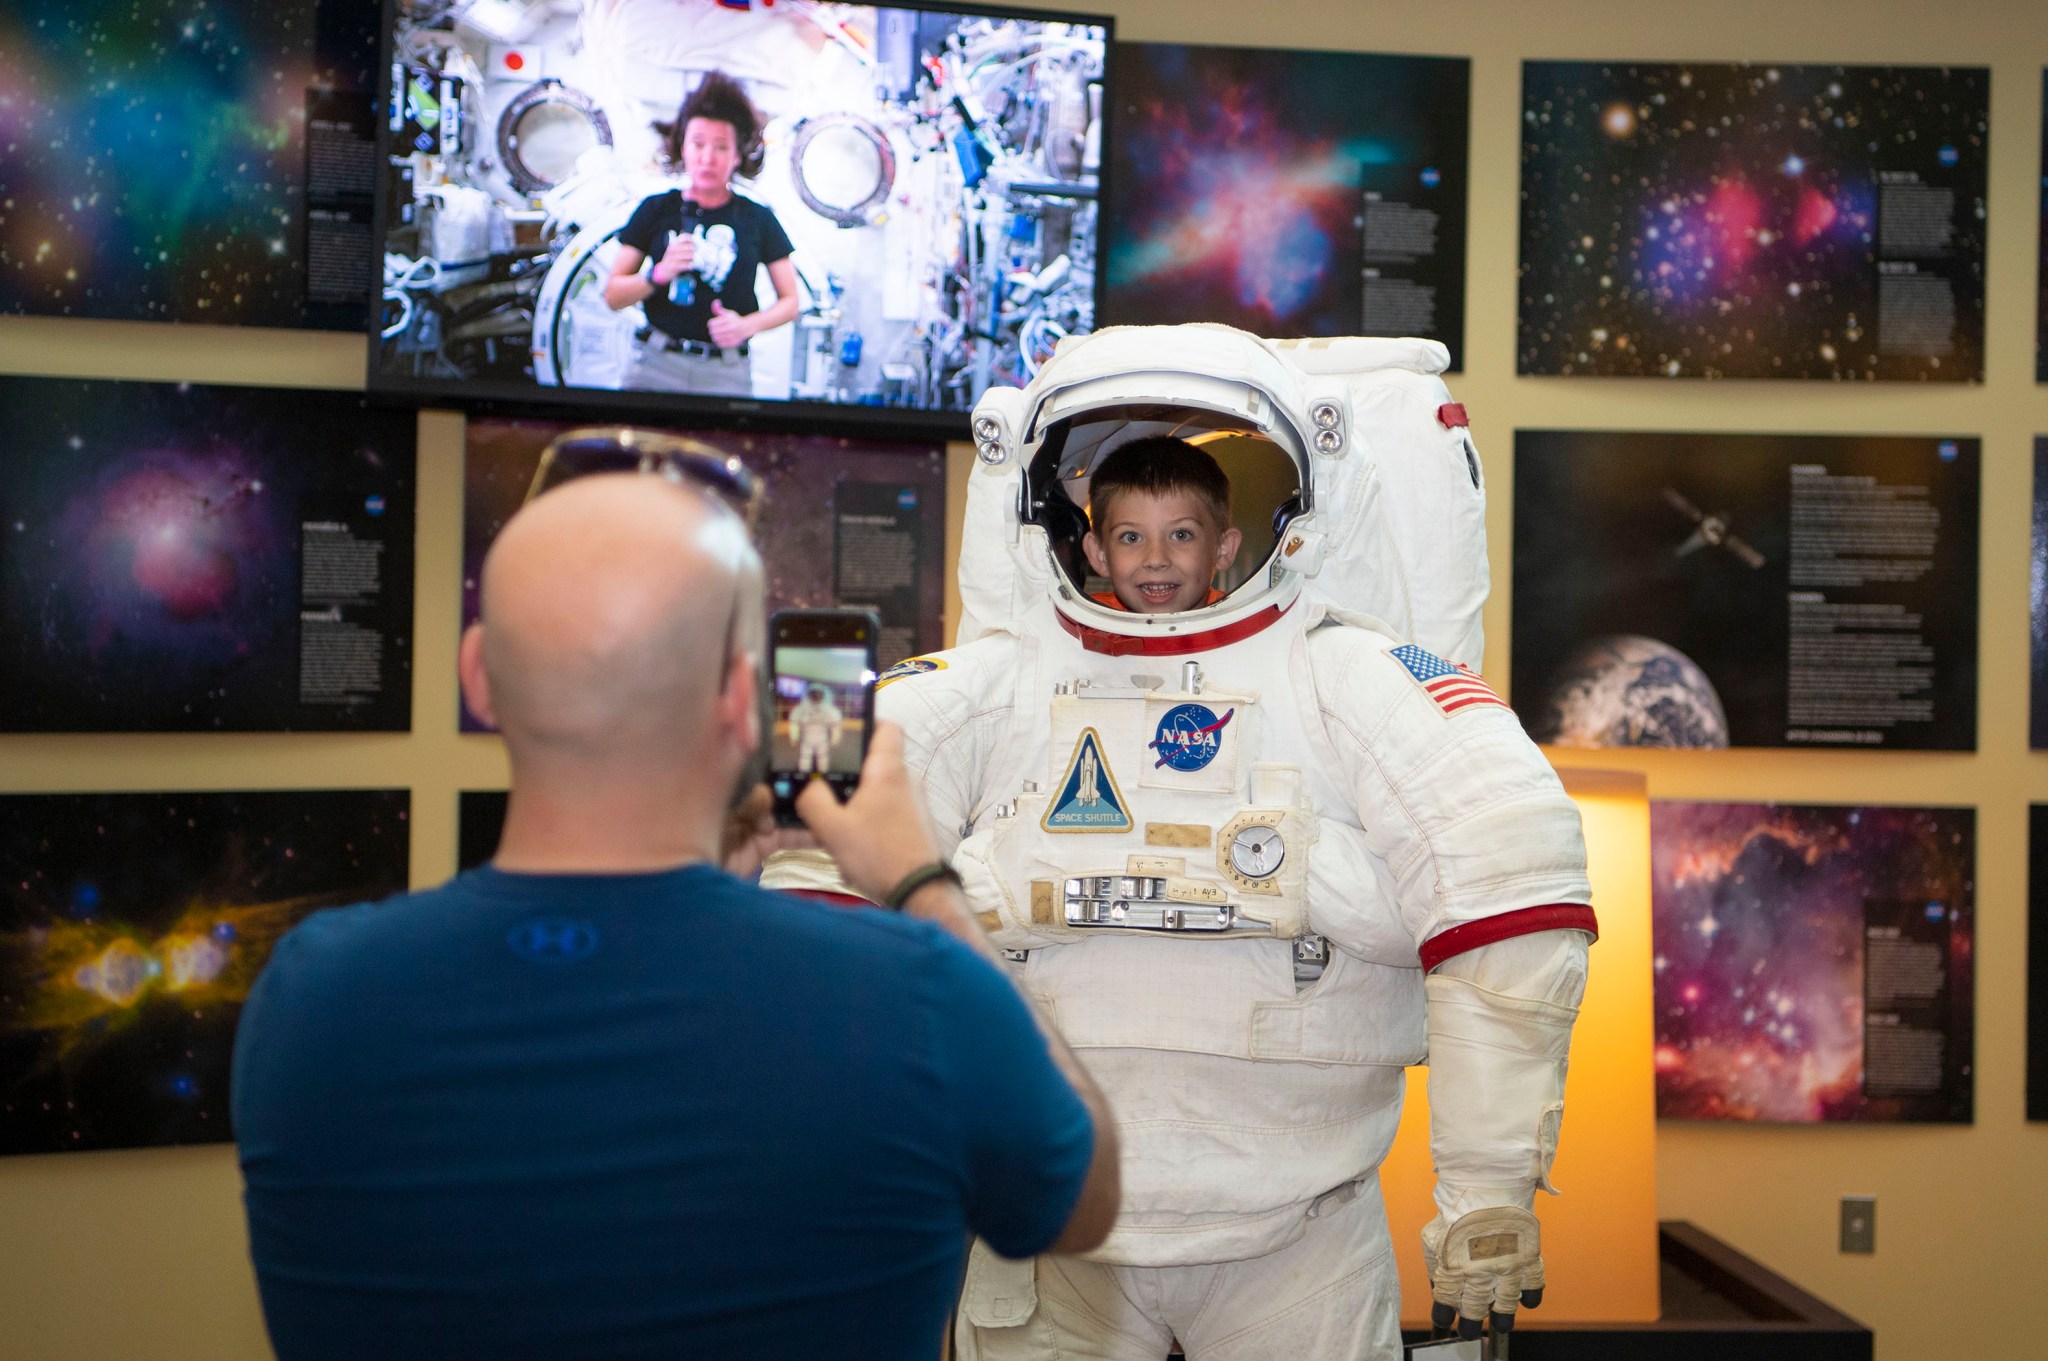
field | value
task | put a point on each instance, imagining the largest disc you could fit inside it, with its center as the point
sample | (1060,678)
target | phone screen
(823,665)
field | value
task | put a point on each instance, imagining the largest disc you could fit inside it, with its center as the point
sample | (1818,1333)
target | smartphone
(821,664)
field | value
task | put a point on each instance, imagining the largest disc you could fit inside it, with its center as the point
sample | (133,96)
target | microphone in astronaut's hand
(682,290)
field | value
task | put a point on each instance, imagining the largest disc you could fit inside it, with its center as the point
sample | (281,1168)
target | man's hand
(879,835)
(680,255)
(1486,1262)
(729,329)
(751,835)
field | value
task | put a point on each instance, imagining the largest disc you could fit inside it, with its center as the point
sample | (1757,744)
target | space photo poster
(1813,964)
(190,163)
(1753,221)
(1698,591)
(1288,193)
(181,557)
(132,927)
(843,522)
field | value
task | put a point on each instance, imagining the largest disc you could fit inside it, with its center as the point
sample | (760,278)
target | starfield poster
(1813,964)
(843,522)
(1289,193)
(1753,221)
(187,162)
(176,557)
(131,929)
(1675,590)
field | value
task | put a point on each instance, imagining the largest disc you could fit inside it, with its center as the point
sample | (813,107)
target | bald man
(600,1098)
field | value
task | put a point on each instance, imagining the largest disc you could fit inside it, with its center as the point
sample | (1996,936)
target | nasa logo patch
(909,666)
(1189,737)
(553,940)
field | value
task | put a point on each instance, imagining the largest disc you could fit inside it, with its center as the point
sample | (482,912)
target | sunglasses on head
(624,449)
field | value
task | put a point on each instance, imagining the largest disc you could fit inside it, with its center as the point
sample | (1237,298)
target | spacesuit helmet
(1216,388)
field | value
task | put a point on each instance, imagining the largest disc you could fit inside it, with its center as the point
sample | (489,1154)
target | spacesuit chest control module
(1252,858)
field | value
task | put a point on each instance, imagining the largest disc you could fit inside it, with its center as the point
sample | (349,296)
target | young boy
(1159,516)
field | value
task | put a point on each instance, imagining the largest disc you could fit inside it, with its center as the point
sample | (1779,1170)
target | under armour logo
(553,940)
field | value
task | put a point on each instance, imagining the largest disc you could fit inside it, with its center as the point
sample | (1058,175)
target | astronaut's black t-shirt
(728,261)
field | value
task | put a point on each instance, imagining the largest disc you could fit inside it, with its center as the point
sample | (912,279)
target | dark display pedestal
(1717,1304)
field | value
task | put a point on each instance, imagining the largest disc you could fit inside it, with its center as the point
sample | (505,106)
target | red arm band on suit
(823,895)
(1522,922)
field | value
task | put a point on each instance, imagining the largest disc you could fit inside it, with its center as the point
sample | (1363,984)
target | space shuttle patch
(1087,798)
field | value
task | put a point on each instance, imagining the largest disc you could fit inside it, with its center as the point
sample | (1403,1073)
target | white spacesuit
(1221,848)
(815,722)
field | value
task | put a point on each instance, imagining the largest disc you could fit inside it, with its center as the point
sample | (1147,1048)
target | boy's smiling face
(1160,550)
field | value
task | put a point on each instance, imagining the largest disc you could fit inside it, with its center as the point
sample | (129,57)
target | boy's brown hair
(1156,465)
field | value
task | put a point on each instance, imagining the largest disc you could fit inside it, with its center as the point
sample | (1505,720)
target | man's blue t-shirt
(649,1115)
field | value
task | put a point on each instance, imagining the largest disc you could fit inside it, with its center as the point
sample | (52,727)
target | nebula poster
(185,558)
(1813,964)
(156,160)
(843,522)
(131,929)
(1288,193)
(1753,221)
(1695,591)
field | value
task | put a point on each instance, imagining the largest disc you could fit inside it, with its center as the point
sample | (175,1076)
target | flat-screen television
(801,211)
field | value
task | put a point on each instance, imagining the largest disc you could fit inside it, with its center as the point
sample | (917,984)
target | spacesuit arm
(1488,867)
(1500,1025)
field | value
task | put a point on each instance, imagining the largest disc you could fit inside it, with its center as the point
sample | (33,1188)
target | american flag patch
(1451,686)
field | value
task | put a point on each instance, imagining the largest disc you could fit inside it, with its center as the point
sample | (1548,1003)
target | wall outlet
(1859,1223)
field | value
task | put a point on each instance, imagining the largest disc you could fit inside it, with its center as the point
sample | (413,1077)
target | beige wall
(141,1253)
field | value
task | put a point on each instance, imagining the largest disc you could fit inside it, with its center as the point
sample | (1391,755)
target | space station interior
(935,173)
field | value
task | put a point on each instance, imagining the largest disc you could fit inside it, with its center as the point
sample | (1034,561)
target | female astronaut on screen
(707,245)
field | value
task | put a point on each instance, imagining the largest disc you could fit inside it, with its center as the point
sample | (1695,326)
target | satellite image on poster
(853,522)
(1678,590)
(178,557)
(1289,193)
(1813,964)
(1753,221)
(131,929)
(194,163)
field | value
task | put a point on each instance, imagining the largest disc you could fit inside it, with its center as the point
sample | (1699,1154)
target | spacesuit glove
(1483,1264)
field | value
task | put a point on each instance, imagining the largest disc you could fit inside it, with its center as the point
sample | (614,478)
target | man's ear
(738,706)
(476,681)
(1227,546)
(1097,559)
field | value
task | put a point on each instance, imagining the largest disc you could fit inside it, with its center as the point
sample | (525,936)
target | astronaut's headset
(728,482)
(1059,465)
